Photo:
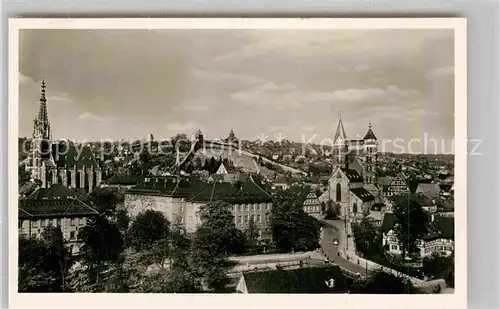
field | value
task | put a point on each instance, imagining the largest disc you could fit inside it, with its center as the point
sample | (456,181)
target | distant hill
(246,160)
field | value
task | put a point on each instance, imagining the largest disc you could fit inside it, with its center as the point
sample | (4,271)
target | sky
(267,84)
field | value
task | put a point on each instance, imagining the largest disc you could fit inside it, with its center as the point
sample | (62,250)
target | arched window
(78,179)
(50,178)
(86,181)
(68,179)
(94,179)
(339,193)
(355,208)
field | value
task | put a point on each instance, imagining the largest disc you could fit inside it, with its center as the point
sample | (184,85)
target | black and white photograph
(239,160)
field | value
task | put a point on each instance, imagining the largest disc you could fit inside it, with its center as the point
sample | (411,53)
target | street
(333,231)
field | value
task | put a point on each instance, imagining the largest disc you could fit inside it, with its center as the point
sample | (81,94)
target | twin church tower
(360,155)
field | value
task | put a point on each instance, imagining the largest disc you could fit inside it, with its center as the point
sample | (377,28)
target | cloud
(62,97)
(23,79)
(221,77)
(362,67)
(440,72)
(189,127)
(88,116)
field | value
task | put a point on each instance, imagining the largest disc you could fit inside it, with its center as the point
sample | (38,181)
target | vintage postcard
(321,162)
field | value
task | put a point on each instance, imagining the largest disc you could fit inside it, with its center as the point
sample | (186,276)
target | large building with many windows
(180,200)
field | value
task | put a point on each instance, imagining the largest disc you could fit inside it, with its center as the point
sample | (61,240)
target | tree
(437,265)
(365,236)
(412,223)
(214,240)
(148,228)
(381,282)
(332,210)
(252,236)
(106,201)
(59,253)
(102,245)
(44,263)
(292,228)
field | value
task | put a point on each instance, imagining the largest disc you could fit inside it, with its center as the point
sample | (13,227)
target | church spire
(42,111)
(41,123)
(340,132)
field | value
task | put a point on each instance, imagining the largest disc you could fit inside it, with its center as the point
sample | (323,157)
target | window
(355,208)
(240,219)
(241,207)
(58,222)
(72,221)
(19,224)
(42,223)
(247,207)
(82,221)
(48,222)
(181,208)
(235,208)
(252,218)
(237,219)
(339,193)
(394,247)
(34,223)
(246,218)
(72,235)
(258,218)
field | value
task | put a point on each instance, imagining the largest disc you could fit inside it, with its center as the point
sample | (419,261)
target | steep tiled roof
(388,222)
(430,190)
(56,207)
(363,194)
(200,191)
(55,191)
(384,181)
(245,192)
(352,175)
(124,180)
(66,155)
(302,280)
(168,186)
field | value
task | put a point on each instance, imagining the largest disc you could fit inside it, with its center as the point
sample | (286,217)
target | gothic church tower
(41,146)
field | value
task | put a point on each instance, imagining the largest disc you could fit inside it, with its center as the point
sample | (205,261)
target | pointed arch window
(339,192)
(355,208)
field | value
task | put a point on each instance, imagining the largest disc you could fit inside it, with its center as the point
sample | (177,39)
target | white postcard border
(48,300)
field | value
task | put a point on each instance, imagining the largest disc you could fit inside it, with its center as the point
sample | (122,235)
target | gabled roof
(384,181)
(363,194)
(65,154)
(166,186)
(56,207)
(55,191)
(388,222)
(244,192)
(124,180)
(428,189)
(352,175)
(310,280)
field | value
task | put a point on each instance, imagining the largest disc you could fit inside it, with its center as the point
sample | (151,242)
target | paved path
(332,232)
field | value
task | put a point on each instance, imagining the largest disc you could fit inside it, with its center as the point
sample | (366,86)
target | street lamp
(367,243)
